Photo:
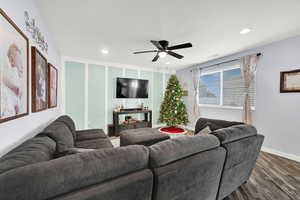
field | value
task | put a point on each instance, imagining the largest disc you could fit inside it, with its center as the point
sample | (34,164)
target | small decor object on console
(14,52)
(39,81)
(52,85)
(35,32)
(173,110)
(290,81)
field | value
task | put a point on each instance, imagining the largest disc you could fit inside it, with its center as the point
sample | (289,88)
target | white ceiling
(83,27)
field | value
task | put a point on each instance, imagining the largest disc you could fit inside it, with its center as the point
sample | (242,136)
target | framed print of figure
(52,85)
(14,51)
(39,81)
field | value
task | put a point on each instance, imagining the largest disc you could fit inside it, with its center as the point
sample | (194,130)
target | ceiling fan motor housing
(164,43)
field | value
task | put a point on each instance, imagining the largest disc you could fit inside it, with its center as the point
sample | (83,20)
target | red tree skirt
(172,129)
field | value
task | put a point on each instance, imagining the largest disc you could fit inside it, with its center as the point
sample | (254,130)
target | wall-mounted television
(132,88)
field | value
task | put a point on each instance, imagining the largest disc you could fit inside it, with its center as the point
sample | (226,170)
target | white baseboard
(282,154)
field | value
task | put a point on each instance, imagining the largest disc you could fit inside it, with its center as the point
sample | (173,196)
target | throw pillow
(213,126)
(61,134)
(205,130)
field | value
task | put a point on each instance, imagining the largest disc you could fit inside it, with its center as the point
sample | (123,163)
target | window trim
(221,71)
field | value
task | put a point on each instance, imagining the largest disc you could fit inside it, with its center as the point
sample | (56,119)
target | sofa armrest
(46,180)
(171,150)
(233,133)
(90,134)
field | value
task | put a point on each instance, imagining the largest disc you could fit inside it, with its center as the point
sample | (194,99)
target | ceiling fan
(163,49)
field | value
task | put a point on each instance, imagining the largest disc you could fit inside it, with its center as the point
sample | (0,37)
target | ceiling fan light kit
(163,49)
(162,54)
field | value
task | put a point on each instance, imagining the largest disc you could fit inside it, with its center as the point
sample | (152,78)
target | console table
(117,127)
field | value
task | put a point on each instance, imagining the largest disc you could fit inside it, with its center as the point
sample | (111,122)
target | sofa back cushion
(47,180)
(240,160)
(32,151)
(68,121)
(175,149)
(194,177)
(214,124)
(61,134)
(233,133)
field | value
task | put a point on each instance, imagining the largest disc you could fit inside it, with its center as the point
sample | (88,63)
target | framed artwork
(39,83)
(290,81)
(52,85)
(14,51)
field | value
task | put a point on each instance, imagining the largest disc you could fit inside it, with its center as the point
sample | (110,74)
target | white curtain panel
(196,83)
(248,68)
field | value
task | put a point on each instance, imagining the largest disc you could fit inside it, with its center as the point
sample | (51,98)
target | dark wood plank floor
(274,178)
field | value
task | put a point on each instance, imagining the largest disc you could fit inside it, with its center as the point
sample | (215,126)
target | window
(210,89)
(224,87)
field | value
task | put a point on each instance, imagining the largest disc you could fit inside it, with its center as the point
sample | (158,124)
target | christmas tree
(173,110)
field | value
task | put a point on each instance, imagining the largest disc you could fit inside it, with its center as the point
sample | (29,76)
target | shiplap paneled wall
(90,91)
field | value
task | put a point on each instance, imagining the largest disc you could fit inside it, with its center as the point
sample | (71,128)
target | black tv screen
(132,88)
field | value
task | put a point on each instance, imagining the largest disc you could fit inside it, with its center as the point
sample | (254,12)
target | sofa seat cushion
(142,136)
(69,123)
(178,148)
(72,151)
(98,143)
(32,151)
(61,134)
(234,133)
(90,134)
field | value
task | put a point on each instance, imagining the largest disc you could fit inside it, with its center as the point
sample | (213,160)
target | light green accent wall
(112,101)
(147,75)
(75,90)
(131,73)
(96,97)
(167,77)
(96,100)
(157,95)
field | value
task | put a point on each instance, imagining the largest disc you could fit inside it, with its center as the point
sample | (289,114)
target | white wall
(277,114)
(16,131)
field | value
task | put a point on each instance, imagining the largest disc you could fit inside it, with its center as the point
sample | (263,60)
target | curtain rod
(228,61)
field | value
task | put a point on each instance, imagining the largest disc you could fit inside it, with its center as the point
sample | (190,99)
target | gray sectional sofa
(242,144)
(52,165)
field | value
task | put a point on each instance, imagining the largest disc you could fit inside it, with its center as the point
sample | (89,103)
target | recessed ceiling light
(162,54)
(104,51)
(167,63)
(245,31)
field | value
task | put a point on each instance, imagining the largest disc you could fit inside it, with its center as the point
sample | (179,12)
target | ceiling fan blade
(157,44)
(155,58)
(151,51)
(175,54)
(180,46)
